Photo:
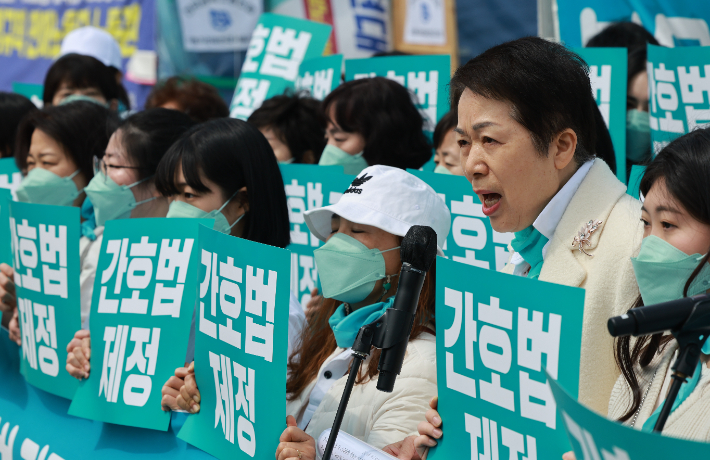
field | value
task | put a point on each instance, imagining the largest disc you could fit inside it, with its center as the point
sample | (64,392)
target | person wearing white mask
(55,148)
(123,187)
(225,170)
(373,121)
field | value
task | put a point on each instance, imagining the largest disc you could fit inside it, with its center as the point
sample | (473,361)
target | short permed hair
(200,101)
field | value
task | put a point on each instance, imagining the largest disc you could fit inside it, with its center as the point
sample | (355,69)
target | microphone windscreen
(419,247)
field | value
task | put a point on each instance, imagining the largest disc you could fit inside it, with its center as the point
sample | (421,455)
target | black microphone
(418,252)
(666,316)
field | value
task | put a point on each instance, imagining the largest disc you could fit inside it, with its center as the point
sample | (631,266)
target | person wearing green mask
(54,150)
(122,188)
(447,156)
(373,121)
(225,170)
(638,129)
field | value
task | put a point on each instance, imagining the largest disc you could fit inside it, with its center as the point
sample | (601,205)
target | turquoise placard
(10,176)
(6,255)
(141,310)
(637,172)
(45,243)
(426,76)
(492,331)
(594,437)
(608,75)
(278,46)
(31,91)
(241,345)
(308,187)
(471,240)
(319,76)
(679,88)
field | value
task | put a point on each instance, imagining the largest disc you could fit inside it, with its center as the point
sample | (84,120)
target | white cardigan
(89,261)
(607,277)
(373,416)
(691,420)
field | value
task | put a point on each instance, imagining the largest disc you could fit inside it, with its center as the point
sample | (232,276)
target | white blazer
(607,277)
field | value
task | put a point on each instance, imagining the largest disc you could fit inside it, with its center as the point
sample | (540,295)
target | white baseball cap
(387,198)
(90,41)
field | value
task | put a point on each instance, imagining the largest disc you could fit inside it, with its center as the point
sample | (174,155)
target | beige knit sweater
(691,420)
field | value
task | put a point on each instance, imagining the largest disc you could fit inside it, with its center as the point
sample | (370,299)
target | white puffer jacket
(373,416)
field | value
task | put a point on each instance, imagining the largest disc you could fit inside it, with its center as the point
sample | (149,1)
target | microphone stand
(690,336)
(384,333)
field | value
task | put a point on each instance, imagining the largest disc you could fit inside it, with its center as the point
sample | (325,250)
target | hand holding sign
(295,443)
(171,389)
(78,355)
(189,397)
(7,289)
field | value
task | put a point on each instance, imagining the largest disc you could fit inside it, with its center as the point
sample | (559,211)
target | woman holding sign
(225,170)
(123,188)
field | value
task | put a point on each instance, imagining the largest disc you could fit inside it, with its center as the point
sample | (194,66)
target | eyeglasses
(101,166)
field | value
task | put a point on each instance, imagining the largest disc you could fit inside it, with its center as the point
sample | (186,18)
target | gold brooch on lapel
(584,234)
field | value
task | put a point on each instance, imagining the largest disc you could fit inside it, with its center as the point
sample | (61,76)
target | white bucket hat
(387,198)
(94,42)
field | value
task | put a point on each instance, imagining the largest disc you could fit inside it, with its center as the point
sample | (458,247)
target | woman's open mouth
(491,203)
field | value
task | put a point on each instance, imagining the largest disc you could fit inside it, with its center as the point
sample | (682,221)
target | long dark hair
(684,167)
(82,128)
(381,111)
(232,154)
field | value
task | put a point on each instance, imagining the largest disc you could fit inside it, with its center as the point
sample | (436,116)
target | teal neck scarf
(685,390)
(345,327)
(529,243)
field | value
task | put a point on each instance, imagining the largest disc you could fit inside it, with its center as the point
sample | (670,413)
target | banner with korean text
(492,332)
(425,76)
(141,310)
(10,176)
(679,89)
(319,76)
(240,347)
(595,437)
(471,240)
(45,243)
(278,46)
(308,187)
(6,254)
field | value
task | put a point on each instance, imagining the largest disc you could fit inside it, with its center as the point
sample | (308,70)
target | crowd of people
(525,131)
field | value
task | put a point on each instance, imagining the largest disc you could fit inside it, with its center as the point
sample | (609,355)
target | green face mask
(441,169)
(638,136)
(44,187)
(112,201)
(348,269)
(662,271)
(352,164)
(182,209)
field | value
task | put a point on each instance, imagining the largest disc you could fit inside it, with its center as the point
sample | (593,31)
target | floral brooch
(585,233)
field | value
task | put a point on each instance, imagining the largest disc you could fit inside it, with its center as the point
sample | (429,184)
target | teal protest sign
(608,74)
(320,76)
(10,176)
(471,240)
(35,425)
(426,76)
(6,250)
(308,187)
(492,330)
(278,46)
(679,89)
(141,310)
(45,243)
(241,342)
(594,437)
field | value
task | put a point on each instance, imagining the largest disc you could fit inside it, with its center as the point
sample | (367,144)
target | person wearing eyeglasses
(123,187)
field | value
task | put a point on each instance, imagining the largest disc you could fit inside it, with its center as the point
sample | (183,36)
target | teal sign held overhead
(319,76)
(45,243)
(494,334)
(278,46)
(241,345)
(141,310)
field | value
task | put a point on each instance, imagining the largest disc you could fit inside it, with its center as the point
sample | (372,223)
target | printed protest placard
(426,76)
(278,46)
(320,76)
(45,244)
(141,310)
(679,88)
(6,255)
(10,176)
(308,187)
(240,347)
(496,333)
